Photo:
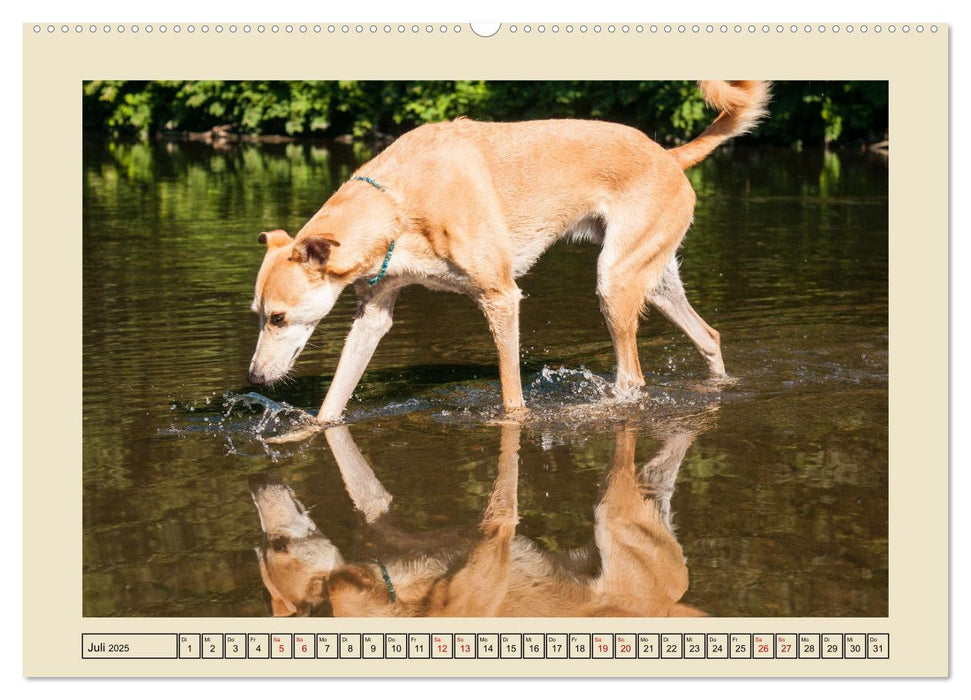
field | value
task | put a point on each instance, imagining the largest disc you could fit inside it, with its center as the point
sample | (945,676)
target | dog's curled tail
(742,104)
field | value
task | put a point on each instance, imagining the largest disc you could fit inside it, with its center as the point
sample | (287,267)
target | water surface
(780,504)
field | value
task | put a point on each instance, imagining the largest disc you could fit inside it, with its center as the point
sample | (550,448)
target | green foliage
(806,113)
(814,113)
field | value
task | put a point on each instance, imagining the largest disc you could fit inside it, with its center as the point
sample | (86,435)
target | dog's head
(294,290)
(295,557)
(303,571)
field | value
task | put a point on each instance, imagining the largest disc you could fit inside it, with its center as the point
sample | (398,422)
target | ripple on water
(557,397)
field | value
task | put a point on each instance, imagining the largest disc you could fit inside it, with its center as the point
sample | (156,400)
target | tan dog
(634,568)
(468,207)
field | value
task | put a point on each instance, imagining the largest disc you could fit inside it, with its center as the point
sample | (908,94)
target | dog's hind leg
(621,308)
(501,309)
(372,322)
(629,266)
(657,478)
(644,227)
(480,587)
(641,560)
(669,298)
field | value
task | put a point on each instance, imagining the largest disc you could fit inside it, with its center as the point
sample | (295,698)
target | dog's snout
(256,377)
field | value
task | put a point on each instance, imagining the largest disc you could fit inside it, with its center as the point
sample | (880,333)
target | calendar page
(427,349)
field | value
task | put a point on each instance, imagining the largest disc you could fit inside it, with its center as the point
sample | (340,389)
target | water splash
(242,420)
(270,414)
(557,397)
(565,385)
(569,398)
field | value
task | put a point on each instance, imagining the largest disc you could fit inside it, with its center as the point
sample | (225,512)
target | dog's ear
(280,606)
(319,599)
(352,578)
(275,239)
(313,249)
(354,591)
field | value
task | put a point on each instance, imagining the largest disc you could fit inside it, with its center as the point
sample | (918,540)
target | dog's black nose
(255,377)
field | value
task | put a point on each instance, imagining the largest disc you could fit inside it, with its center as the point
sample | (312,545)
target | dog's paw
(720,381)
(511,416)
(299,433)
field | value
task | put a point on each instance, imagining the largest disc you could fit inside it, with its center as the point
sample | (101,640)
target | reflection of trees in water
(181,172)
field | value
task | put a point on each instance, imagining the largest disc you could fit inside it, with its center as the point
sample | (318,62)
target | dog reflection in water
(635,567)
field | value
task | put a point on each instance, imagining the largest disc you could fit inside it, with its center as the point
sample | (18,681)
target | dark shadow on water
(388,383)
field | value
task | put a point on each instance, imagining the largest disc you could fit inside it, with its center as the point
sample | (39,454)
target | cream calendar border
(58,57)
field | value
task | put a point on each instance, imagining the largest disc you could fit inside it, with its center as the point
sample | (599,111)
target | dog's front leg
(372,322)
(363,486)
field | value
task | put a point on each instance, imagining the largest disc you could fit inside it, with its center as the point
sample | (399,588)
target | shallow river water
(780,500)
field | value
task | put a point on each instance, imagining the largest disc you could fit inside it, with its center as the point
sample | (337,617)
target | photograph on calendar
(485,348)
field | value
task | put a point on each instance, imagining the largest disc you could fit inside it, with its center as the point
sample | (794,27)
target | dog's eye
(278,319)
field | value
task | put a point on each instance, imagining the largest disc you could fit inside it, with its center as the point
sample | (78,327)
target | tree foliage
(802,112)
